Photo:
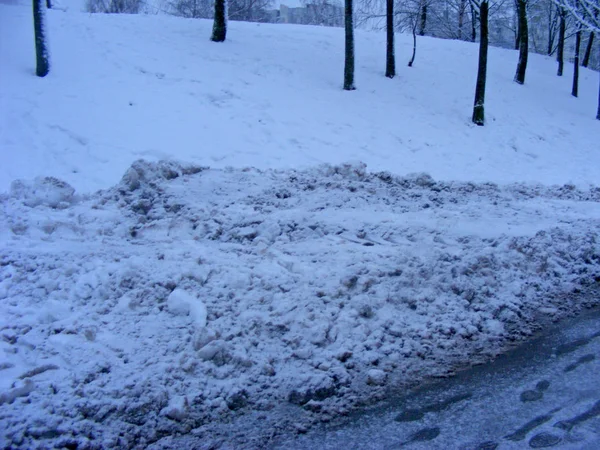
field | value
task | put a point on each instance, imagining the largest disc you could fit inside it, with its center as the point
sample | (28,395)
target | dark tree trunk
(42,66)
(523,42)
(588,50)
(598,113)
(473,24)
(423,20)
(414,53)
(560,52)
(478,108)
(49,4)
(349,60)
(575,90)
(219,31)
(390,62)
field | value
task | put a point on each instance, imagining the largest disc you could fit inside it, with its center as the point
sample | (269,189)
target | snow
(268,277)
(538,392)
(127,87)
(240,290)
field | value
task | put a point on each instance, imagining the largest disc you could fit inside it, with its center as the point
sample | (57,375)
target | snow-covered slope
(125,87)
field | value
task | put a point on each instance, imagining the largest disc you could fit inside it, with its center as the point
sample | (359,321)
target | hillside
(155,87)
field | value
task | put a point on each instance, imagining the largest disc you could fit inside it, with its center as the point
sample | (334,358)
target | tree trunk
(414,53)
(349,60)
(219,31)
(551,29)
(518,34)
(461,17)
(473,24)
(49,4)
(598,113)
(575,90)
(588,50)
(42,66)
(523,42)
(390,63)
(560,52)
(423,20)
(478,108)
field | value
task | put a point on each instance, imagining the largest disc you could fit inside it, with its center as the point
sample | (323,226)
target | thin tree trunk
(478,107)
(598,113)
(461,17)
(390,63)
(588,50)
(560,53)
(551,29)
(219,25)
(473,24)
(423,20)
(575,90)
(49,4)
(523,42)
(414,53)
(42,66)
(349,59)
(518,35)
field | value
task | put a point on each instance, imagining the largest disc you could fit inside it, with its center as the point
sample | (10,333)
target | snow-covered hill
(154,87)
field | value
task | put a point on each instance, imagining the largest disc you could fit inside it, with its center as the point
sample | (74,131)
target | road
(544,394)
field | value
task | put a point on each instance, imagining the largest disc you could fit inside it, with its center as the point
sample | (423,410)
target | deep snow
(184,296)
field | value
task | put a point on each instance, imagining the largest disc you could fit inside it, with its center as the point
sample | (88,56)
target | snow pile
(187,298)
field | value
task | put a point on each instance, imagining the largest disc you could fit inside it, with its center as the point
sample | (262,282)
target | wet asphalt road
(544,394)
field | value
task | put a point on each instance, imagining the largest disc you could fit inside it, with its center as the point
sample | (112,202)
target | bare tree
(575,89)
(249,10)
(482,7)
(523,41)
(349,48)
(329,13)
(390,58)
(195,9)
(588,50)
(219,31)
(114,6)
(586,14)
(42,66)
(560,53)
(462,10)
(423,19)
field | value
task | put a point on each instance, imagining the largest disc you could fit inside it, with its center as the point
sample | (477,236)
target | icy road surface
(545,394)
(230,306)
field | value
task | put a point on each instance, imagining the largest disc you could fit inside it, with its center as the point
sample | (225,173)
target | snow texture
(185,298)
(227,305)
(124,87)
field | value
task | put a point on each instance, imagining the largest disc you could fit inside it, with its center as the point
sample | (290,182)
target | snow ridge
(185,299)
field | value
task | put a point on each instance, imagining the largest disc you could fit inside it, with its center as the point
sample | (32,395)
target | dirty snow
(185,297)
